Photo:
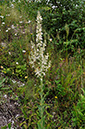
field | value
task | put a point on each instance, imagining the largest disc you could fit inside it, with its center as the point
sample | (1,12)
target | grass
(63,80)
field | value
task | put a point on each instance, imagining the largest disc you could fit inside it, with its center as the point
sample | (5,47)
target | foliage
(63,12)
(79,112)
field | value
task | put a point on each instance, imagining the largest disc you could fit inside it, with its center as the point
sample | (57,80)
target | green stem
(42,102)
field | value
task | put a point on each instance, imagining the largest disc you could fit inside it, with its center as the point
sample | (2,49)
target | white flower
(5,96)
(53,7)
(6,30)
(12,26)
(12,123)
(9,53)
(23,84)
(17,63)
(15,34)
(2,16)
(37,50)
(50,40)
(12,6)
(23,51)
(3,23)
(20,22)
(13,81)
(17,115)
(8,15)
(28,22)
(13,1)
(9,28)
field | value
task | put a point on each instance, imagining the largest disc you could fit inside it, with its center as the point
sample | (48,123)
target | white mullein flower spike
(37,59)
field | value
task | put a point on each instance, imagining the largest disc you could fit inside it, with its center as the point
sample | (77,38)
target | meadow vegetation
(42,45)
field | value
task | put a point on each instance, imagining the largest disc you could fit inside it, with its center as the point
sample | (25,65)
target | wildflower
(26,77)
(12,26)
(23,32)
(6,30)
(20,22)
(23,51)
(5,96)
(12,6)
(53,7)
(9,53)
(56,97)
(7,15)
(28,22)
(23,84)
(9,28)
(17,63)
(12,123)
(37,59)
(50,40)
(13,81)
(3,44)
(3,23)
(2,67)
(17,115)
(2,16)
(13,1)
(15,34)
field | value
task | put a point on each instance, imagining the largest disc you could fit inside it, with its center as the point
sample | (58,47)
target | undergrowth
(63,96)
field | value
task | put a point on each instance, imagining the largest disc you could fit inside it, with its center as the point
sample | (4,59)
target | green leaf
(9,125)
(4,127)
(57,81)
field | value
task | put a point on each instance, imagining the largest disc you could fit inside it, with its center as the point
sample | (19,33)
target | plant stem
(42,103)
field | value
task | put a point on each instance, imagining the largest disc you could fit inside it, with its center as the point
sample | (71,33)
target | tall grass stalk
(39,61)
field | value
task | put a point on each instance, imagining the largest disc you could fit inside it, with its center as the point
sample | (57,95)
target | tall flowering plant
(40,62)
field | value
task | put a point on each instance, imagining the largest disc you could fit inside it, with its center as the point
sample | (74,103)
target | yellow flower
(1,67)
(26,77)
(56,97)
(4,71)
